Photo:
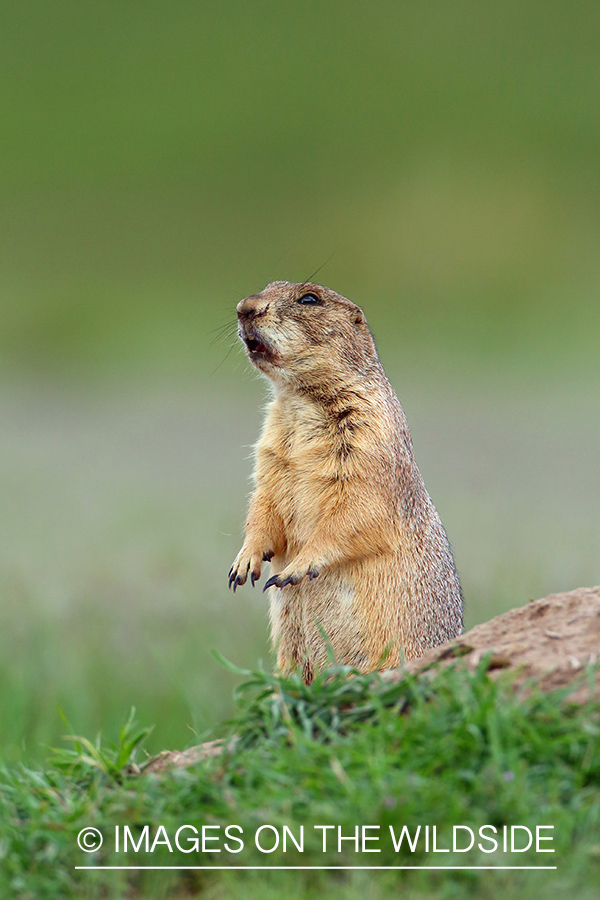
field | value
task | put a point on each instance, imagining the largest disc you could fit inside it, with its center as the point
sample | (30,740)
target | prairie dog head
(303,335)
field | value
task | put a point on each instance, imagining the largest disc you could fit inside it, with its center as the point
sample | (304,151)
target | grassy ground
(456,750)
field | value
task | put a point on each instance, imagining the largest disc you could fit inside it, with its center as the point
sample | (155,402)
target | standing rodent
(340,509)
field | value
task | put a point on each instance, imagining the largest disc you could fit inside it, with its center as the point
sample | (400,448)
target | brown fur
(340,508)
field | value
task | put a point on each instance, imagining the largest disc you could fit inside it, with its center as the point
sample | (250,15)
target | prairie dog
(339,509)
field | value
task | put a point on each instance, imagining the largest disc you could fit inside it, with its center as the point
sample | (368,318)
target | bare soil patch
(552,641)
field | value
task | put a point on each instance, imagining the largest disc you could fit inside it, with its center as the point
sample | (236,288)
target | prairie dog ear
(359,316)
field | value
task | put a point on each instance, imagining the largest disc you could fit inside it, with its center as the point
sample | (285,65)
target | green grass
(454,748)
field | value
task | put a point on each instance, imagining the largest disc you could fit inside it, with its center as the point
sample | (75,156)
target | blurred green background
(160,161)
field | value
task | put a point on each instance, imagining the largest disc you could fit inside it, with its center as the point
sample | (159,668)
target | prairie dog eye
(310,299)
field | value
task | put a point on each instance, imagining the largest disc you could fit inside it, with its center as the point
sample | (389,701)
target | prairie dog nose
(252,307)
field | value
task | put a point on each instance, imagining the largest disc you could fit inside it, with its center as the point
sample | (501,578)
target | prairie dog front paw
(293,574)
(247,560)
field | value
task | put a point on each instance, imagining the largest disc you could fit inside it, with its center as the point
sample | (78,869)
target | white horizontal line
(233,868)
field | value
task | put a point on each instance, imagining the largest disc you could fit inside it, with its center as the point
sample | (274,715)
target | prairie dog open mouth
(255,346)
(258,350)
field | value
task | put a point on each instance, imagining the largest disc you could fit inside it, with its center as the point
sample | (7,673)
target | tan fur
(340,508)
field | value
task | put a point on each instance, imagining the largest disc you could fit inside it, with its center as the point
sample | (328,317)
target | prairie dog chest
(295,465)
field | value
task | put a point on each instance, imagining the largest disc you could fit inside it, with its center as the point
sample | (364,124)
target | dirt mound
(552,641)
